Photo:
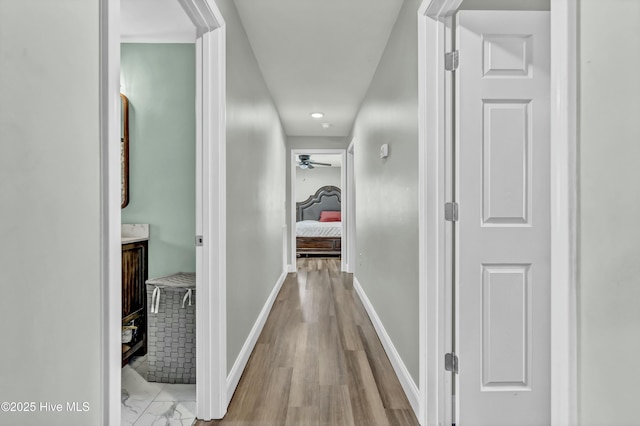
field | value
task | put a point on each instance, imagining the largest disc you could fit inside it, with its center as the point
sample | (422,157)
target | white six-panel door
(503,233)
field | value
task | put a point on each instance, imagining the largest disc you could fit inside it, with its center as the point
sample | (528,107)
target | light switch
(384,150)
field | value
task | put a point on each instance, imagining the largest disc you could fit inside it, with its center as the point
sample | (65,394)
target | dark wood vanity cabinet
(135,265)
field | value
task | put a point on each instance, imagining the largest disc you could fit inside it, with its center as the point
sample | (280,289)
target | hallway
(318,360)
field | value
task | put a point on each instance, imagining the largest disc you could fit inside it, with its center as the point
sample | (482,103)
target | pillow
(330,216)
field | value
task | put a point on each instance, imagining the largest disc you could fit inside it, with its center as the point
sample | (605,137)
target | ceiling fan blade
(320,164)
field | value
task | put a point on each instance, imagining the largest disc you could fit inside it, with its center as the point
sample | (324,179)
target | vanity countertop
(134,232)
(129,240)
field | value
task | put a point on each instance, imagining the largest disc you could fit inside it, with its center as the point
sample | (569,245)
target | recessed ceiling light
(317,115)
(326,125)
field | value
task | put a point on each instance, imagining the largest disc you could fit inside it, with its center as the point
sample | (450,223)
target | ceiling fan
(304,162)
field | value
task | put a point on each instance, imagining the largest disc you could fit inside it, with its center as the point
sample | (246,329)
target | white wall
(50,242)
(308,181)
(386,262)
(609,201)
(255,186)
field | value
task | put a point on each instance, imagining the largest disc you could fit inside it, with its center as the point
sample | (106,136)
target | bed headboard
(325,198)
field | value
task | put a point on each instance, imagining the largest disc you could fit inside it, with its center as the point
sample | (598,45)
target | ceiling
(315,55)
(155,21)
(318,55)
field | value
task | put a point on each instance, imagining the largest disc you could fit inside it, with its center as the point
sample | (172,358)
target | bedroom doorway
(317,212)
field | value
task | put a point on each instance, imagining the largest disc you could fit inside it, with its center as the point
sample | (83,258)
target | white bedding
(313,228)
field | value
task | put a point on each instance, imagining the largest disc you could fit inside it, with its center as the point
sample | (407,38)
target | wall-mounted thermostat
(384,150)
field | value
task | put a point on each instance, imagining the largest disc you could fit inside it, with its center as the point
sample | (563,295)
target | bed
(318,226)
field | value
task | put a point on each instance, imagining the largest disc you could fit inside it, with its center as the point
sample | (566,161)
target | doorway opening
(318,214)
(210,221)
(158,228)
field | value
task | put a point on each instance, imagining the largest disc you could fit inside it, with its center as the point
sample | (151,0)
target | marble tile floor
(146,403)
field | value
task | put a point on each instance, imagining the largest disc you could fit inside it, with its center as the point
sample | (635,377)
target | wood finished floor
(318,360)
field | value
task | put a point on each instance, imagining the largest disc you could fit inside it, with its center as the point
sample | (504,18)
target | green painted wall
(159,80)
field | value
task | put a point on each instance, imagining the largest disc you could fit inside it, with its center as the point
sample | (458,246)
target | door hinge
(451,362)
(451,212)
(451,60)
(199,240)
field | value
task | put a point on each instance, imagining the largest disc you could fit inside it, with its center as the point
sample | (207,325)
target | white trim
(204,14)
(243,357)
(211,320)
(161,38)
(433,188)
(407,382)
(344,213)
(438,9)
(292,193)
(564,388)
(350,202)
(433,230)
(111,249)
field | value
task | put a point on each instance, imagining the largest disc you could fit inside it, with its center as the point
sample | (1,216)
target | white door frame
(211,390)
(343,195)
(111,268)
(211,216)
(434,18)
(350,202)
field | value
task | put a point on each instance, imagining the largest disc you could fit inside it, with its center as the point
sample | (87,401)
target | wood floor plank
(316,297)
(331,361)
(302,416)
(318,360)
(389,387)
(285,338)
(274,407)
(400,417)
(365,400)
(345,316)
(243,404)
(304,382)
(335,406)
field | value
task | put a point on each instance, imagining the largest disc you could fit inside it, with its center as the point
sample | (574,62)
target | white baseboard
(292,268)
(409,386)
(243,357)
